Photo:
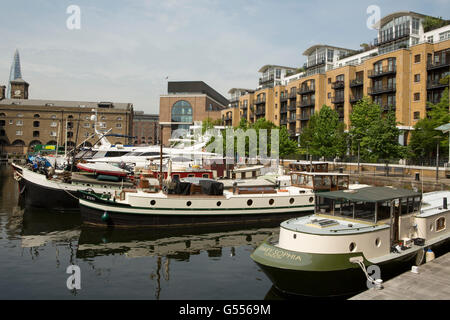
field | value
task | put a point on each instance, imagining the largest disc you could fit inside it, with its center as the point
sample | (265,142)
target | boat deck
(431,283)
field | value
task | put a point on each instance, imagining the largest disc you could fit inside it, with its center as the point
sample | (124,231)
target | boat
(103,169)
(60,191)
(354,240)
(197,201)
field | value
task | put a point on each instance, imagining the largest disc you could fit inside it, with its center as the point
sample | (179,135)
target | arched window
(2,114)
(36,124)
(34,142)
(36,116)
(181,112)
(51,142)
(18,143)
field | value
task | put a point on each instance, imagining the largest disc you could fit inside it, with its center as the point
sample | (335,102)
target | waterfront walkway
(431,283)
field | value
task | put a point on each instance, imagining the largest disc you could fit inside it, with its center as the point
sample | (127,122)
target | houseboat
(337,250)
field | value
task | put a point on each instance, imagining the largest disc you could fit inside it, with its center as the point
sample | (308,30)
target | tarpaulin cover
(183,188)
(211,187)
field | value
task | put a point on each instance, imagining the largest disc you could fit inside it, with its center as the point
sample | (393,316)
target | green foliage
(431,23)
(375,133)
(423,142)
(324,135)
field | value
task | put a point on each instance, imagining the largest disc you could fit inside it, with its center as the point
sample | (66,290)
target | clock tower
(19,89)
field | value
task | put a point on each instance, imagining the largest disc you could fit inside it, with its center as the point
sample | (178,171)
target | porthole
(378,242)
(219,203)
(271,201)
(153,202)
(352,247)
(188,203)
(291,200)
(311,199)
(249,202)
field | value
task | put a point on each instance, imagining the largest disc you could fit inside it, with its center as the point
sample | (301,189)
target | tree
(287,146)
(324,135)
(374,133)
(421,144)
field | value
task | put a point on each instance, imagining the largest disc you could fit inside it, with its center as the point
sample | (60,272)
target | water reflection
(195,263)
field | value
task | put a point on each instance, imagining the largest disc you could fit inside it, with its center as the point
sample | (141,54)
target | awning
(370,194)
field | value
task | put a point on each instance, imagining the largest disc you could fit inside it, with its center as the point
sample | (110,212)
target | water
(37,246)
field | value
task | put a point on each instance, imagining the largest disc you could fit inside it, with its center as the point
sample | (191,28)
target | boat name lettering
(90,198)
(280,254)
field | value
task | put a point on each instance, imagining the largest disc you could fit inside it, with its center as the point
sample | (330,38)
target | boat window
(291,200)
(150,154)
(352,247)
(440,224)
(205,175)
(249,202)
(188,203)
(219,203)
(153,202)
(271,201)
(115,153)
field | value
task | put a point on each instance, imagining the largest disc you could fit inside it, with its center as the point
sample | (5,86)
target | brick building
(145,128)
(189,101)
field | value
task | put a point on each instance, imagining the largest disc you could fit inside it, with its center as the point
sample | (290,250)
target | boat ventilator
(377,283)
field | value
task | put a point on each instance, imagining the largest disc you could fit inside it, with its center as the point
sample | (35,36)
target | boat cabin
(314,166)
(320,181)
(373,205)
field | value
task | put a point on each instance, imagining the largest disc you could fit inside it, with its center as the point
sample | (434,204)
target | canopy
(370,194)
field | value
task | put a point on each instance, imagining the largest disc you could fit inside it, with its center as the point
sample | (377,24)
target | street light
(438,139)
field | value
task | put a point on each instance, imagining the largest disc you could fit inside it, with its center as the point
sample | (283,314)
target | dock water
(431,283)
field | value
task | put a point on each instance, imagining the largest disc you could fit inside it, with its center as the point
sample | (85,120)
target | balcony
(382,89)
(260,112)
(283,98)
(356,83)
(265,80)
(244,107)
(436,84)
(314,64)
(386,107)
(283,109)
(292,107)
(307,103)
(260,101)
(292,119)
(293,95)
(438,64)
(291,132)
(304,117)
(355,99)
(403,33)
(384,71)
(338,85)
(283,121)
(306,90)
(338,99)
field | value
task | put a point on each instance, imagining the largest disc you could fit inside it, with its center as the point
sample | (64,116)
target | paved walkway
(431,283)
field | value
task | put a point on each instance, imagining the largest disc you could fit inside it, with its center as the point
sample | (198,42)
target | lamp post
(438,139)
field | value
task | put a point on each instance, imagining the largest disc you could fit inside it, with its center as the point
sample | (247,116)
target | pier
(431,283)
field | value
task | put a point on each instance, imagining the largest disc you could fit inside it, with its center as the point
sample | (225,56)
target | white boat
(355,239)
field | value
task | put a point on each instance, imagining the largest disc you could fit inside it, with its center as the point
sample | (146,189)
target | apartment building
(401,71)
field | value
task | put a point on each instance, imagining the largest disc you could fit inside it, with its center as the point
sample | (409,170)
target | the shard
(14,73)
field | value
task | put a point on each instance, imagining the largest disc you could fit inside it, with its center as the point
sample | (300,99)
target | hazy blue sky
(125,49)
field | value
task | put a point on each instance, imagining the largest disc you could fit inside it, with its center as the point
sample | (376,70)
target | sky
(125,50)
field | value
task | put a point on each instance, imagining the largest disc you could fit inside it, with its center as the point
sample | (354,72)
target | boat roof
(370,194)
(329,225)
(432,203)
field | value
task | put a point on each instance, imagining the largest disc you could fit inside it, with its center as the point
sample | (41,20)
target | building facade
(26,122)
(186,102)
(401,71)
(145,128)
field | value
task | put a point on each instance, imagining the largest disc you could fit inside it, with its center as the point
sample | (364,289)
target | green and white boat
(354,239)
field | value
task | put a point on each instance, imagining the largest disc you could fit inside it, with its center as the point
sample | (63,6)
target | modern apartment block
(401,70)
